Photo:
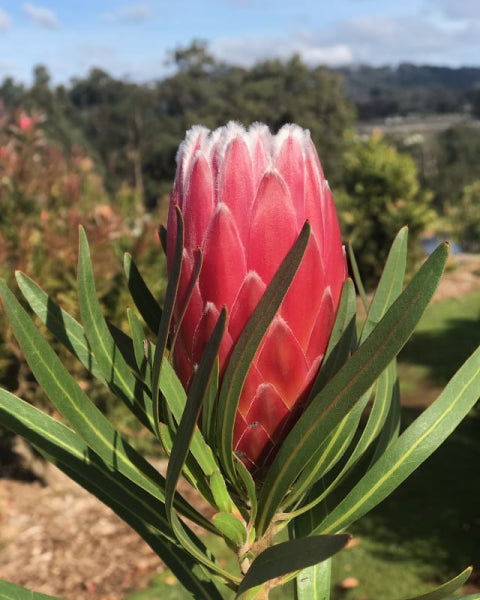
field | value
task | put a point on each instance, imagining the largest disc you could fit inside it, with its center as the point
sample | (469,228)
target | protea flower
(245,195)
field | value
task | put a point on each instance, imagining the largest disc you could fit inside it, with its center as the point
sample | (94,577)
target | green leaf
(448,588)
(162,234)
(342,392)
(391,426)
(144,512)
(222,499)
(115,370)
(175,396)
(73,404)
(319,493)
(341,339)
(288,557)
(231,527)
(314,583)
(144,300)
(191,470)
(326,455)
(10,591)
(60,323)
(389,288)
(182,443)
(250,490)
(191,413)
(414,446)
(141,347)
(209,408)
(390,284)
(246,347)
(357,277)
(165,322)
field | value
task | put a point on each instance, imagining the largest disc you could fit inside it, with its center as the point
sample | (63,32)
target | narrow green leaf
(414,446)
(175,395)
(166,320)
(198,552)
(391,426)
(250,490)
(77,408)
(291,556)
(191,470)
(142,511)
(222,499)
(326,455)
(162,234)
(209,415)
(115,370)
(144,300)
(314,583)
(319,493)
(390,284)
(389,288)
(341,339)
(448,588)
(377,417)
(10,591)
(246,347)
(343,391)
(182,443)
(60,323)
(231,527)
(141,347)
(191,413)
(357,277)
(468,597)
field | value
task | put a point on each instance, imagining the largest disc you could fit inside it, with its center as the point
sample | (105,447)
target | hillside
(407,88)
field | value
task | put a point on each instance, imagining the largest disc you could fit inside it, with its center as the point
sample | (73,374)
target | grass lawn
(428,530)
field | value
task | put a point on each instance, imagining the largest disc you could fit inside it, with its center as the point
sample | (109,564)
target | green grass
(445,337)
(428,530)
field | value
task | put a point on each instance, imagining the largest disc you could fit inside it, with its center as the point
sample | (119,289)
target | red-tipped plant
(244,196)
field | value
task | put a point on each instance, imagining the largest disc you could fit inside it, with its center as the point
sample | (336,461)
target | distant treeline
(132,130)
(407,88)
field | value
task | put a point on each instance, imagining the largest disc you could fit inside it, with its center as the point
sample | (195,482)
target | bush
(381,194)
(462,218)
(45,194)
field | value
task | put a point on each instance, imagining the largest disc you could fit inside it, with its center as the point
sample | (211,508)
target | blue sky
(132,39)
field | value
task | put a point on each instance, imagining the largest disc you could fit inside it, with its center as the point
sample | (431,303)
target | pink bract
(245,195)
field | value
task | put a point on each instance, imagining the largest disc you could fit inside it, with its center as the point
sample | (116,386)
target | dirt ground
(59,540)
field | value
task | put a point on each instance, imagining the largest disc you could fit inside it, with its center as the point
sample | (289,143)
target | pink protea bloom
(245,195)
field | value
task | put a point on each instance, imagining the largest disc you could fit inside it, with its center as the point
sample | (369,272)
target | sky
(133,39)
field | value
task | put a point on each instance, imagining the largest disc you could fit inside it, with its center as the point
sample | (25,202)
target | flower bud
(245,195)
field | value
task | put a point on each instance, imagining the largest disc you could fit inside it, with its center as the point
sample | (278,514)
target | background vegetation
(398,145)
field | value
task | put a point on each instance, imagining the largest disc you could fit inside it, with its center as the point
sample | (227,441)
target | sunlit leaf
(413,446)
(343,391)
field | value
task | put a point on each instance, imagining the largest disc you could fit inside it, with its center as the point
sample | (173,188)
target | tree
(381,194)
(462,218)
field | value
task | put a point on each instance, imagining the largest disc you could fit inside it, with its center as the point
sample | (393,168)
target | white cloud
(383,40)
(43,16)
(376,40)
(134,13)
(5,20)
(458,9)
(245,51)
